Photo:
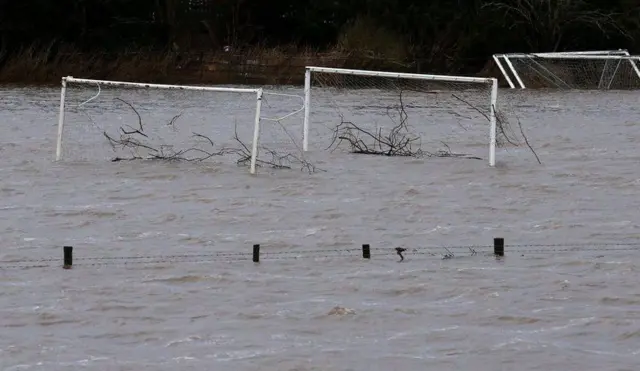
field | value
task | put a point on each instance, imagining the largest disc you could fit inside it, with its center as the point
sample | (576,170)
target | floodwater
(539,308)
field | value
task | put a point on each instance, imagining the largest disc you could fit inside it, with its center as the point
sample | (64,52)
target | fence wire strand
(445,252)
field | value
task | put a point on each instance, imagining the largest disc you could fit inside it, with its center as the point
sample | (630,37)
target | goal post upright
(307,100)
(63,93)
(493,122)
(256,133)
(496,58)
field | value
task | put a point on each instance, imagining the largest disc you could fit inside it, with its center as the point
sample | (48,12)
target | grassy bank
(362,44)
(256,65)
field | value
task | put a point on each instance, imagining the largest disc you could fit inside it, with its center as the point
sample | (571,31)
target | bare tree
(546,22)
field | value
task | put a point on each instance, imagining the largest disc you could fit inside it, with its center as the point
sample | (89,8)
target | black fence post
(366,251)
(256,253)
(498,246)
(68,257)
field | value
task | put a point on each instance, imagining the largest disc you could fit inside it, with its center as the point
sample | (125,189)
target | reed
(41,65)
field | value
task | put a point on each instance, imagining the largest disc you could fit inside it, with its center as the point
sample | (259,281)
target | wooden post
(256,253)
(498,246)
(366,251)
(68,257)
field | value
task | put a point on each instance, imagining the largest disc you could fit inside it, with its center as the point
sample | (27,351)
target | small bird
(399,251)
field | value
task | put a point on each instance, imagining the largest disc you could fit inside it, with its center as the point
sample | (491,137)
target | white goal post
(253,103)
(431,92)
(597,69)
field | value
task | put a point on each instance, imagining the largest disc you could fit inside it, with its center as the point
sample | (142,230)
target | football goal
(122,121)
(607,69)
(440,114)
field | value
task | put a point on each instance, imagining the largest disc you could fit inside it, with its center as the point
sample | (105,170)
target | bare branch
(277,161)
(204,137)
(527,142)
(162,152)
(397,142)
(195,154)
(503,126)
(134,131)
(173,119)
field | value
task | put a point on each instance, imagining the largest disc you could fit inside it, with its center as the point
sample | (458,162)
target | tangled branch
(277,160)
(162,152)
(399,141)
(504,132)
(396,143)
(131,139)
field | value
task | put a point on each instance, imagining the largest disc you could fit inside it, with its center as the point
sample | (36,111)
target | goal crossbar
(70,79)
(622,52)
(399,75)
(510,70)
(492,82)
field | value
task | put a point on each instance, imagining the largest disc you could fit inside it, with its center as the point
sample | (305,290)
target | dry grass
(253,65)
(361,45)
(363,36)
(41,66)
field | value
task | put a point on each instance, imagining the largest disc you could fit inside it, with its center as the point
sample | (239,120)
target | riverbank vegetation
(270,42)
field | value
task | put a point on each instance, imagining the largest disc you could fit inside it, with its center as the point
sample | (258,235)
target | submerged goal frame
(492,82)
(70,79)
(619,55)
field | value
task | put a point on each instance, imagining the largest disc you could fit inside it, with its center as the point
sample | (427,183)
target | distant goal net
(124,121)
(603,70)
(400,114)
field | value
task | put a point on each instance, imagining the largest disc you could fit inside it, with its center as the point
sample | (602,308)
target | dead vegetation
(263,65)
(400,141)
(397,142)
(505,134)
(135,141)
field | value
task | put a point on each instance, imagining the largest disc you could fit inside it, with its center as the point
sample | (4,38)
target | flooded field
(530,311)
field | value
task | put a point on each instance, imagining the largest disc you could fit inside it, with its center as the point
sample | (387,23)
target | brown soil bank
(275,66)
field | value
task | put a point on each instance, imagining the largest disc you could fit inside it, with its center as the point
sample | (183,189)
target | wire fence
(255,255)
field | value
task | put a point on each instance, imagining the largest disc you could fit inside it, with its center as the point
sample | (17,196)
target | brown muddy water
(576,310)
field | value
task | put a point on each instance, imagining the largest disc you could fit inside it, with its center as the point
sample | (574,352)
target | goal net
(400,114)
(122,121)
(571,70)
